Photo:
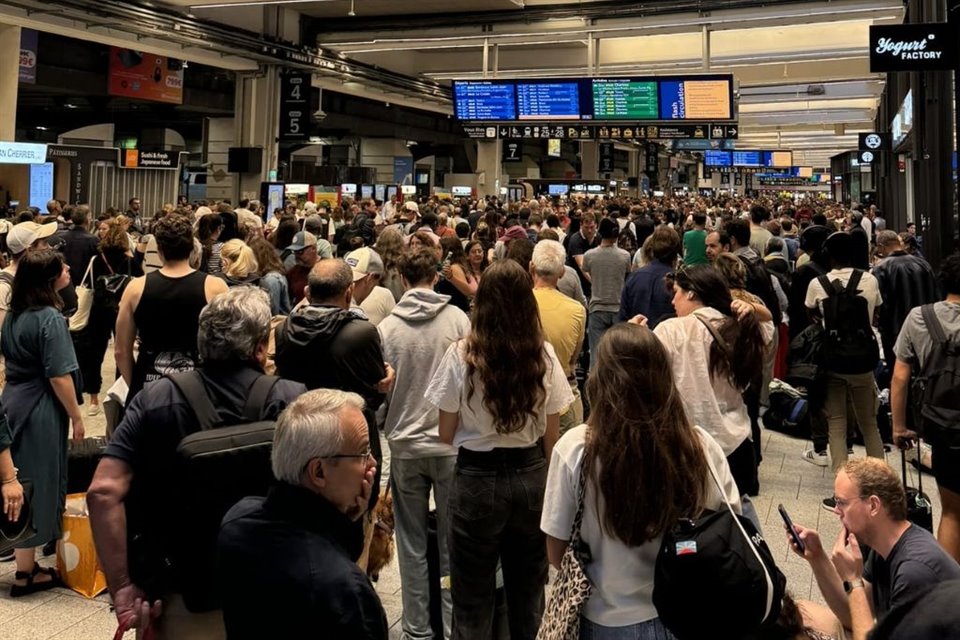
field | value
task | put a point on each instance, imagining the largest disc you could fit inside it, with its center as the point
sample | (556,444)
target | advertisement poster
(145,76)
(28,56)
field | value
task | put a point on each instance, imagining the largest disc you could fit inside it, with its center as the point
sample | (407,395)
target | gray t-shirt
(608,268)
(914,344)
(915,562)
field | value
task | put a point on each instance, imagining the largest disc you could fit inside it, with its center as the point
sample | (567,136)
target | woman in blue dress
(41,401)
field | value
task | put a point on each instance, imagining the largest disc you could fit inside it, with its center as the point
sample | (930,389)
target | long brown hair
(642,452)
(504,350)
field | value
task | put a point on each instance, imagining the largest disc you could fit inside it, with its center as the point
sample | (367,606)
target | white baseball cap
(23,235)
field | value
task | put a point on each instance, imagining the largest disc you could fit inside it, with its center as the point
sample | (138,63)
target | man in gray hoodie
(414,337)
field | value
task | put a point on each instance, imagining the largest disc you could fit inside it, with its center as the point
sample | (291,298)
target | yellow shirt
(564,320)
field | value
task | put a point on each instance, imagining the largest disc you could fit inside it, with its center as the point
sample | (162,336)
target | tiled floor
(784,478)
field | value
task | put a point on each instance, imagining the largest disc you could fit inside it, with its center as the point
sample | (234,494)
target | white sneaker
(819,459)
(93,410)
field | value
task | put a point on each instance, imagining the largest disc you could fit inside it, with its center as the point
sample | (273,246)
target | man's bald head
(329,281)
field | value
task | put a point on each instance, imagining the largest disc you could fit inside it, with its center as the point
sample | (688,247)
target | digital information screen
(461,191)
(747,159)
(778,159)
(695,100)
(624,100)
(554,101)
(484,100)
(558,189)
(803,172)
(713,158)
(366,191)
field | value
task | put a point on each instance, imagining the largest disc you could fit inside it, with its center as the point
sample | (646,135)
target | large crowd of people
(599,366)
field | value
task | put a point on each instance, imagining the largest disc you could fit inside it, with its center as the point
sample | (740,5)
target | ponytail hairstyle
(742,361)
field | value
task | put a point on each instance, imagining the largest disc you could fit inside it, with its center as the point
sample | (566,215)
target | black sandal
(18,591)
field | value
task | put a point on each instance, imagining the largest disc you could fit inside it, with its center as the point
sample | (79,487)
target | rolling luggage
(919,508)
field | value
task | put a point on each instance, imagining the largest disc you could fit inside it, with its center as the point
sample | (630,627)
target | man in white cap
(375,301)
(408,215)
(304,248)
(22,238)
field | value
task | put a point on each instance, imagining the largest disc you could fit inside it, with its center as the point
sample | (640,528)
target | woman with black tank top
(163,310)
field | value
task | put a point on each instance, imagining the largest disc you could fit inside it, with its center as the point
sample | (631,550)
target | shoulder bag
(13,532)
(571,589)
(81,318)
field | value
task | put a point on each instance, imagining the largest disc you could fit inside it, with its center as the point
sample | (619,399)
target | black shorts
(946,456)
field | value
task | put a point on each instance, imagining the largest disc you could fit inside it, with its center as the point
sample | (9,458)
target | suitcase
(919,507)
(82,461)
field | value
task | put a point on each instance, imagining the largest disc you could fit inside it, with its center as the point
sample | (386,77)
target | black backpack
(218,466)
(849,345)
(938,384)
(361,226)
(716,572)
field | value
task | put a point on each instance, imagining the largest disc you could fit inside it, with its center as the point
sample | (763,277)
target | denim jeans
(649,630)
(410,483)
(597,325)
(859,393)
(495,504)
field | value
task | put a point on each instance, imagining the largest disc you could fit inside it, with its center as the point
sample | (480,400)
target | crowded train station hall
(479,320)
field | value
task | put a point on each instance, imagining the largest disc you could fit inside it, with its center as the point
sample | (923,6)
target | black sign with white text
(295,105)
(605,150)
(874,141)
(912,47)
(512,152)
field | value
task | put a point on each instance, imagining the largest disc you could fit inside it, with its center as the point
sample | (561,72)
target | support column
(488,168)
(9,79)
(256,124)
(589,160)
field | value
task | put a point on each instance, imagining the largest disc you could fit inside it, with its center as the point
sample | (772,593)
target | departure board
(549,100)
(695,100)
(483,100)
(624,99)
(778,159)
(714,158)
(747,159)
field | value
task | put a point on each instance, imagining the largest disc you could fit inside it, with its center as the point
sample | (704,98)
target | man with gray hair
(300,544)
(133,494)
(563,320)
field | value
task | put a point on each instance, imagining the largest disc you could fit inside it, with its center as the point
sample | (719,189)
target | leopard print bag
(571,589)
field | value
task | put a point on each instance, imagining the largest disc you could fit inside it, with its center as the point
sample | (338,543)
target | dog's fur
(381,546)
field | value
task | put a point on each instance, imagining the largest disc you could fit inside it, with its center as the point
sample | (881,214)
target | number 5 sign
(294,105)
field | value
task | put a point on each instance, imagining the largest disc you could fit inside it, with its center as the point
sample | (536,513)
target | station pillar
(589,160)
(9,80)
(257,124)
(489,168)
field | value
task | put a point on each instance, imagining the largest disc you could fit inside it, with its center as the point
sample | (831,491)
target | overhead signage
(777,159)
(718,158)
(605,157)
(874,141)
(295,106)
(28,57)
(866,156)
(653,158)
(81,161)
(145,76)
(644,99)
(461,191)
(702,145)
(480,132)
(512,152)
(137,159)
(738,179)
(912,47)
(22,153)
(624,132)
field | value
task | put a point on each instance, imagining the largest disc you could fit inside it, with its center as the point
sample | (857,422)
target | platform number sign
(512,151)
(294,106)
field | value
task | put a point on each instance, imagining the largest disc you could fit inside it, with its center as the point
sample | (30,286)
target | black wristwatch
(849,586)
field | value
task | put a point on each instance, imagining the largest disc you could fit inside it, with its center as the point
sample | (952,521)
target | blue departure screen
(713,158)
(553,100)
(483,100)
(747,159)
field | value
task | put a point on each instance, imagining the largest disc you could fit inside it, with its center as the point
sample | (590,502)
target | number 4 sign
(294,105)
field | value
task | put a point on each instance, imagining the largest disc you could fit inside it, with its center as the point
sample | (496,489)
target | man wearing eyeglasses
(903,558)
(287,563)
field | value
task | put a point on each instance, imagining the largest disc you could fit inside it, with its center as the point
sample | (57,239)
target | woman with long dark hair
(645,467)
(456,281)
(500,392)
(273,278)
(717,345)
(41,402)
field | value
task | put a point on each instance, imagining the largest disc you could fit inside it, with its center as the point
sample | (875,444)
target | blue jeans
(410,483)
(597,325)
(649,630)
(495,504)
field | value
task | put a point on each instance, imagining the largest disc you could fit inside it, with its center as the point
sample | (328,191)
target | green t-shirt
(695,247)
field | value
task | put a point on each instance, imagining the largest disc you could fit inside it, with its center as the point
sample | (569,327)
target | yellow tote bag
(76,554)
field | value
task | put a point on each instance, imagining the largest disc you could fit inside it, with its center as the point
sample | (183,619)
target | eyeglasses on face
(843,503)
(365,455)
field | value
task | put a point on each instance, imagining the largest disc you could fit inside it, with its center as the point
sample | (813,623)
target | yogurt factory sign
(912,47)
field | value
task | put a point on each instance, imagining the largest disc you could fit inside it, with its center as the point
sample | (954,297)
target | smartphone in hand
(793,534)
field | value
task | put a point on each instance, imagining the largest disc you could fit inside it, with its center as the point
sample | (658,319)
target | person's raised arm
(828,580)
(899,387)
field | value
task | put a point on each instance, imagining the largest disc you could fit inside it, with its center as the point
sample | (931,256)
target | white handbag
(80,319)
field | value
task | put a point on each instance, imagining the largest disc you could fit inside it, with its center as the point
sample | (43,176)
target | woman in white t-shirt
(500,392)
(710,374)
(643,456)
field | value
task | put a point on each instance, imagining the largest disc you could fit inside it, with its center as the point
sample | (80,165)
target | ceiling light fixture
(351,13)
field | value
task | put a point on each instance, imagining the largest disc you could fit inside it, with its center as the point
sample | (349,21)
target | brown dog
(381,546)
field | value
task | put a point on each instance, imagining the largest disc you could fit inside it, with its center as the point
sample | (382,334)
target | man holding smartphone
(903,559)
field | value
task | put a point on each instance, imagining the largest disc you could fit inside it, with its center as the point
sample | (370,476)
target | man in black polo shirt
(581,242)
(133,489)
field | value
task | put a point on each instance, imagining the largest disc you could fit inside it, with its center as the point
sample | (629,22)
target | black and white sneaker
(829,504)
